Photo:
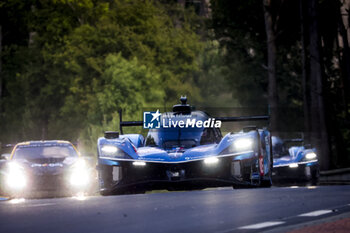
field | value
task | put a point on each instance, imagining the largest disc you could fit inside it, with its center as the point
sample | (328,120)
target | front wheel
(265,183)
(242,186)
(315,177)
(105,192)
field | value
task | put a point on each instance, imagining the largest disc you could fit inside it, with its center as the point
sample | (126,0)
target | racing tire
(122,192)
(105,193)
(242,186)
(265,183)
(136,191)
(315,178)
(250,184)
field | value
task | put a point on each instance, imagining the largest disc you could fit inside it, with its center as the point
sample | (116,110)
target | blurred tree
(0,70)
(271,28)
(241,27)
(66,60)
(319,131)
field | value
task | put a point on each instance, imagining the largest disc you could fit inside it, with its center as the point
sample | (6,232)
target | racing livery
(44,166)
(295,164)
(178,157)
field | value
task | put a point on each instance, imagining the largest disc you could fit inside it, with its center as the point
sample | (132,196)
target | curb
(308,224)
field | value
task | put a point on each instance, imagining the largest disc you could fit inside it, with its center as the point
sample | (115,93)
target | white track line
(316,213)
(261,225)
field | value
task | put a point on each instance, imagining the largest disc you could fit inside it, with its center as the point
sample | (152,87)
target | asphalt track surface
(214,210)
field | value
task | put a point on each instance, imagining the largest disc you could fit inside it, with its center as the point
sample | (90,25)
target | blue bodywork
(176,157)
(295,163)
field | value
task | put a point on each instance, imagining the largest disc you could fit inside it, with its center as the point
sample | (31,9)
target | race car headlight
(16,178)
(139,163)
(109,149)
(243,143)
(239,145)
(211,160)
(293,165)
(79,175)
(311,155)
(113,151)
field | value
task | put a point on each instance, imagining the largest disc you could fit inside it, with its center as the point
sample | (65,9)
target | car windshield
(279,148)
(169,138)
(44,151)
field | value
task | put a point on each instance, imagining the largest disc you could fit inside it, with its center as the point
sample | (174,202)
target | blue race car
(173,157)
(294,164)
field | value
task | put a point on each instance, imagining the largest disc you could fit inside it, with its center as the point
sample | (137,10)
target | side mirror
(6,156)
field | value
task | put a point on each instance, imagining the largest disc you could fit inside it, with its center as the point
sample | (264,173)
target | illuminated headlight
(243,143)
(211,160)
(16,178)
(139,163)
(79,179)
(79,176)
(311,155)
(293,165)
(109,149)
(112,151)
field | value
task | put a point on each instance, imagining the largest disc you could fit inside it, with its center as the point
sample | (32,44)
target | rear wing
(222,119)
(294,140)
(243,118)
(127,123)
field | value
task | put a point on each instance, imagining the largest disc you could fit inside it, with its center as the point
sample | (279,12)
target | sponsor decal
(46,165)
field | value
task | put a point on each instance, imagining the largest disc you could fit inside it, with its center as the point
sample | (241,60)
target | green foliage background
(69,66)
(79,62)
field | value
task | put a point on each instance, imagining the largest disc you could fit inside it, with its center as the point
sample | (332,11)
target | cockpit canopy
(179,130)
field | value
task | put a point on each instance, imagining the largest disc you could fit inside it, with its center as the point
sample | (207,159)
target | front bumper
(114,175)
(303,172)
(45,184)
